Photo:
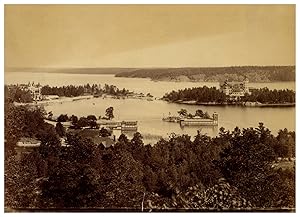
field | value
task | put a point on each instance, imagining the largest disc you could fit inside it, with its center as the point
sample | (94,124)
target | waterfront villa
(35,90)
(235,89)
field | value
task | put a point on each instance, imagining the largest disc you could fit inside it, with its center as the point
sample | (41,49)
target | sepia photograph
(149,108)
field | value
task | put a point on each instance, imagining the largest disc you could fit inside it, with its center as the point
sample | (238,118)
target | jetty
(174,119)
(198,121)
(194,120)
(119,125)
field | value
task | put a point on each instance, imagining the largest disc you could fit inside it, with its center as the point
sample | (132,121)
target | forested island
(73,91)
(213,96)
(215,74)
(237,170)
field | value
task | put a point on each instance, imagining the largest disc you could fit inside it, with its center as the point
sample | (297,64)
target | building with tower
(235,89)
(34,89)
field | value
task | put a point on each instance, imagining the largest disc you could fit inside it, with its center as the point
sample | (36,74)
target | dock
(198,121)
(194,121)
(120,125)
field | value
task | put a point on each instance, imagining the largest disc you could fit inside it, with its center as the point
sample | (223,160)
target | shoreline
(86,97)
(243,104)
(166,79)
(60,100)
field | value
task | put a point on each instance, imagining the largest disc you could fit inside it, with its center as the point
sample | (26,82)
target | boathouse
(198,121)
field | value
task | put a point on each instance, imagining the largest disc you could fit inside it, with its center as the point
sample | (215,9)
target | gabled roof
(106,141)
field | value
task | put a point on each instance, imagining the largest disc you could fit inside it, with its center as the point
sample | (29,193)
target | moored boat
(171,119)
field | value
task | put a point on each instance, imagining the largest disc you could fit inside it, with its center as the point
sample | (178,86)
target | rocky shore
(247,104)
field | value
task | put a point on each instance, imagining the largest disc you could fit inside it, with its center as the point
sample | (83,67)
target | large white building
(235,89)
(35,90)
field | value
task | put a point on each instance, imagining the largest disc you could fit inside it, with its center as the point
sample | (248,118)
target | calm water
(136,84)
(149,113)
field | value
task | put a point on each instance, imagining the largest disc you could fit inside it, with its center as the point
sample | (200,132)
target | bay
(149,114)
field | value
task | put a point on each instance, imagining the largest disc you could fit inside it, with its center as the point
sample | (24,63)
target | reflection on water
(149,114)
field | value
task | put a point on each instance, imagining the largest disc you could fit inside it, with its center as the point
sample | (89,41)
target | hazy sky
(148,35)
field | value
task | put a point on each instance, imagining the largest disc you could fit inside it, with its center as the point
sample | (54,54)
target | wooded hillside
(253,73)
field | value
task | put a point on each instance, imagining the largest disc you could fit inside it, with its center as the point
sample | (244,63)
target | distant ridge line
(253,73)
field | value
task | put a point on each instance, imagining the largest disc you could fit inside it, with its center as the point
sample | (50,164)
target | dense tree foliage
(24,176)
(198,113)
(109,113)
(285,144)
(113,90)
(198,94)
(201,114)
(83,122)
(71,90)
(104,132)
(14,93)
(89,121)
(68,91)
(60,130)
(63,118)
(264,95)
(23,121)
(74,119)
(247,164)
(254,73)
(73,181)
(22,180)
(91,117)
(230,171)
